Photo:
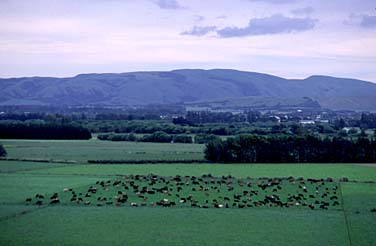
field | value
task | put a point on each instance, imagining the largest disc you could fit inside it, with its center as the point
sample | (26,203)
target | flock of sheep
(204,191)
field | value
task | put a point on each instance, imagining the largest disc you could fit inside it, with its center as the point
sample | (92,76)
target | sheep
(55,201)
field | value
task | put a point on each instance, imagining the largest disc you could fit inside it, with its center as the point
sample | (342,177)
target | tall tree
(2,151)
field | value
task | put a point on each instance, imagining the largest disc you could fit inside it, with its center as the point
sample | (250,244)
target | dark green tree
(296,149)
(2,151)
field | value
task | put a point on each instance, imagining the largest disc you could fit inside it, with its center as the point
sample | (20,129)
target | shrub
(2,151)
(182,139)
(297,149)
(205,138)
(158,137)
(41,130)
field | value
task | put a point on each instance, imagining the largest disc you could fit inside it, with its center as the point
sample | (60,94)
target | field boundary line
(344,214)
(143,173)
(30,169)
(39,160)
(19,214)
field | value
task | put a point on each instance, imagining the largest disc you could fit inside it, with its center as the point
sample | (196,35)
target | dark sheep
(335,203)
(344,179)
(55,201)
(39,196)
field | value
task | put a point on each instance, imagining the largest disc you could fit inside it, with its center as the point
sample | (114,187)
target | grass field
(361,173)
(12,166)
(82,150)
(156,226)
(352,223)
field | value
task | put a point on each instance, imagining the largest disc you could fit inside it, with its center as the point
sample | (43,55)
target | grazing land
(350,222)
(81,151)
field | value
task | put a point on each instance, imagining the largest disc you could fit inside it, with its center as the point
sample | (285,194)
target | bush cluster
(157,137)
(2,151)
(291,149)
(41,130)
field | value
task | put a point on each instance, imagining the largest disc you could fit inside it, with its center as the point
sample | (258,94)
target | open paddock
(349,223)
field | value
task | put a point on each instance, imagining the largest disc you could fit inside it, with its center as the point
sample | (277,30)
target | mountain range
(188,86)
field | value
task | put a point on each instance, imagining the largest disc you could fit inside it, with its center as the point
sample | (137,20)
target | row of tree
(292,149)
(367,120)
(116,116)
(157,137)
(160,137)
(41,130)
(2,151)
(149,127)
(201,117)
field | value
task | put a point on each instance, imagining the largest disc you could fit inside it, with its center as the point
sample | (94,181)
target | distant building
(352,130)
(276,118)
(306,122)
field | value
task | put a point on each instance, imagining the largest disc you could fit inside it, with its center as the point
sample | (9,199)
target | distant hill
(256,102)
(186,86)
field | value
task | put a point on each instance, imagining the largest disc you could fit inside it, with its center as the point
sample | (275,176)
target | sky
(287,38)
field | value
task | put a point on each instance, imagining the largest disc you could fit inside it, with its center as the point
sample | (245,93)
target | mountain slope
(180,86)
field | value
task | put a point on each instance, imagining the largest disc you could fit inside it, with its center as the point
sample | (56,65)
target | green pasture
(14,188)
(202,191)
(352,223)
(14,166)
(174,226)
(353,172)
(359,199)
(84,150)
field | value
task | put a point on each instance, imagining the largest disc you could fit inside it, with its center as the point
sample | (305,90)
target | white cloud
(168,4)
(274,24)
(199,30)
(81,36)
(303,11)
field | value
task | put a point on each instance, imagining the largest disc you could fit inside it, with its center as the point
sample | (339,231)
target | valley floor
(352,224)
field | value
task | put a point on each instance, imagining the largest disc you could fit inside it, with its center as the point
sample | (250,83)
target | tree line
(41,130)
(367,120)
(290,149)
(200,117)
(157,137)
(2,151)
(149,127)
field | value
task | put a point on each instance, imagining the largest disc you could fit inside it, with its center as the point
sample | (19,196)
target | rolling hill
(186,86)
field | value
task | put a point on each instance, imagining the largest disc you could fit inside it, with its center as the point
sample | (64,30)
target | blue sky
(289,38)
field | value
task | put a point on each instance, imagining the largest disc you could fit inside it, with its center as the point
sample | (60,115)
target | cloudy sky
(288,38)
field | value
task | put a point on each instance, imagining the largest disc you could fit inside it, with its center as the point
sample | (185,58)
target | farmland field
(82,150)
(349,223)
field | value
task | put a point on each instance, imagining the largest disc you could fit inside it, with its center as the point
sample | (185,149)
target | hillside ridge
(185,86)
